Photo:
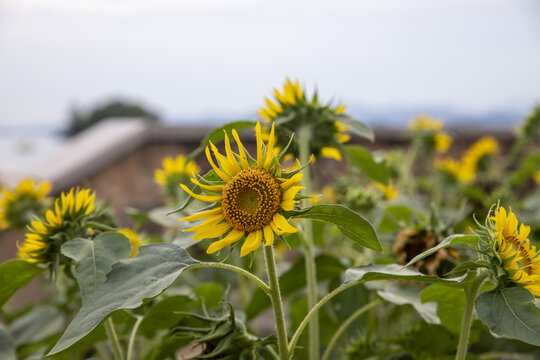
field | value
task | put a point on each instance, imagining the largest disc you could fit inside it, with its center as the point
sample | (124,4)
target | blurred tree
(81,120)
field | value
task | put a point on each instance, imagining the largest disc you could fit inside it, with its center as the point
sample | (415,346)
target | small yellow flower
(248,199)
(442,142)
(389,191)
(133,240)
(453,168)
(42,243)
(520,259)
(17,206)
(478,151)
(173,167)
(425,123)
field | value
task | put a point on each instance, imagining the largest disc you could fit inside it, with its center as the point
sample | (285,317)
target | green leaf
(512,313)
(210,294)
(36,325)
(95,259)
(450,304)
(449,241)
(217,135)
(361,157)
(394,217)
(15,274)
(526,168)
(403,295)
(7,349)
(294,280)
(128,284)
(396,272)
(352,225)
(355,126)
(165,314)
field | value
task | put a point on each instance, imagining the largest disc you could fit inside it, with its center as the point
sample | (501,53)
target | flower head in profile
(476,156)
(517,256)
(19,205)
(248,196)
(174,171)
(45,237)
(429,132)
(292,105)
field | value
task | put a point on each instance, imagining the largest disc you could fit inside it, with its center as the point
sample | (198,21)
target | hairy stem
(131,343)
(113,339)
(309,248)
(277,304)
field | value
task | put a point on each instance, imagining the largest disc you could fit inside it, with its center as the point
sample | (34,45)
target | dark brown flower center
(251,199)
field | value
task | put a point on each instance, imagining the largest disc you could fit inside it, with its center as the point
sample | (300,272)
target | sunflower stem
(277,304)
(113,339)
(131,343)
(311,271)
(472,294)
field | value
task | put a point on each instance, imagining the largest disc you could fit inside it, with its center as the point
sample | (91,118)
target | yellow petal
(268,235)
(230,155)
(218,171)
(259,144)
(208,187)
(282,224)
(229,239)
(332,153)
(207,224)
(288,205)
(288,182)
(291,192)
(51,218)
(241,152)
(201,215)
(39,227)
(212,232)
(252,242)
(270,149)
(200,197)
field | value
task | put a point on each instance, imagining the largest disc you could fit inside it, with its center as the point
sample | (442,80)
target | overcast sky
(189,59)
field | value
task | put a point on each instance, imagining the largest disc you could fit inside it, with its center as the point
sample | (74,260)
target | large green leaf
(361,157)
(294,280)
(7,350)
(352,225)
(396,272)
(165,314)
(217,135)
(355,126)
(128,284)
(449,241)
(512,313)
(15,274)
(95,258)
(403,295)
(450,304)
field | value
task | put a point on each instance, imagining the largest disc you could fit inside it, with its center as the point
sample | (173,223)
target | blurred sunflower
(519,258)
(65,222)
(292,110)
(429,132)
(248,197)
(173,172)
(388,191)
(18,206)
(476,156)
(133,240)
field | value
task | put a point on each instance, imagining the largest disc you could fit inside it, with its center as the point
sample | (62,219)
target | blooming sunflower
(44,238)
(519,258)
(17,206)
(174,171)
(475,156)
(292,106)
(248,198)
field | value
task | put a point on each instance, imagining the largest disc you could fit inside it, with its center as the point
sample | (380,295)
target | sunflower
(519,258)
(292,104)
(44,238)
(17,206)
(174,171)
(133,240)
(249,197)
(475,156)
(429,131)
(388,191)
(425,123)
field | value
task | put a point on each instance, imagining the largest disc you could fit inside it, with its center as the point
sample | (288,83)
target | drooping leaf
(351,224)
(355,126)
(294,280)
(7,349)
(217,135)
(396,272)
(36,325)
(164,314)
(450,304)
(128,284)
(95,258)
(361,157)
(449,241)
(512,313)
(15,274)
(403,295)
